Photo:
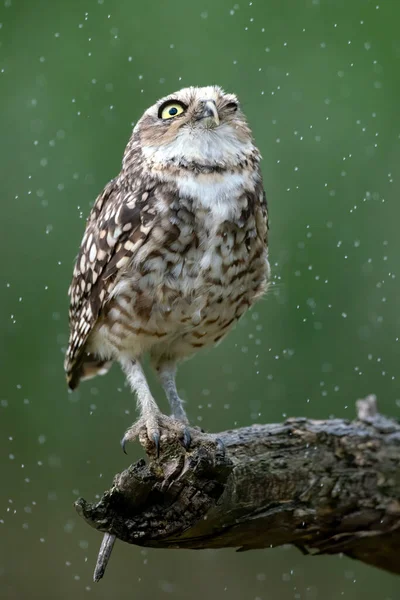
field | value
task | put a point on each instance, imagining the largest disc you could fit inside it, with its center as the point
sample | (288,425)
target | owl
(175,251)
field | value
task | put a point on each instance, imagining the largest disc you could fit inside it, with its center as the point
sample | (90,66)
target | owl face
(203,126)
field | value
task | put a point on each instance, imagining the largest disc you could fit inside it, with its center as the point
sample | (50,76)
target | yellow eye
(171,110)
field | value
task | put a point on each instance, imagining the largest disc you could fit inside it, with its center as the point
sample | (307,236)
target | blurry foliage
(320,82)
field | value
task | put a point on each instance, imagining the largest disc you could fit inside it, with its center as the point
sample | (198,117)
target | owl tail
(89,367)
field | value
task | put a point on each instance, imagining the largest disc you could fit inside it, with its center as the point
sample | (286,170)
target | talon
(123,444)
(156,440)
(187,438)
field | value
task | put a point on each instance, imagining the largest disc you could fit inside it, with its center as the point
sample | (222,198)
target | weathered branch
(323,486)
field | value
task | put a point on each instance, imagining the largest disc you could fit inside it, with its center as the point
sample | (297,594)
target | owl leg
(167,373)
(151,420)
(166,370)
(149,410)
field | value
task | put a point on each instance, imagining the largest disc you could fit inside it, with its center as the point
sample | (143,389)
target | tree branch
(324,486)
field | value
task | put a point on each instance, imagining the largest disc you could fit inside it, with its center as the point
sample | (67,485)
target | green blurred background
(320,83)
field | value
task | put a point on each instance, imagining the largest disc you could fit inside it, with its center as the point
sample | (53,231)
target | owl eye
(169,110)
(232,106)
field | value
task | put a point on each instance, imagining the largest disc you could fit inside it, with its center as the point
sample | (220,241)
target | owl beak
(209,114)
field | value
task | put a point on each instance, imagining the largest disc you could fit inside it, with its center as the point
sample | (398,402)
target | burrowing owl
(174,252)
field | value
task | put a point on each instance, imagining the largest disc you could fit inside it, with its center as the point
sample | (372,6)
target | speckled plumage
(175,248)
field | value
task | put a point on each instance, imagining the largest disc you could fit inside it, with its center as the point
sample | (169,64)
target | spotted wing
(118,224)
(264,215)
(258,205)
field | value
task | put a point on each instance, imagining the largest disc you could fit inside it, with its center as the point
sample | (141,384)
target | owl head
(197,125)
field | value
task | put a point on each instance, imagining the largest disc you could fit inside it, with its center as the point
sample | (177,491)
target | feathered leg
(151,419)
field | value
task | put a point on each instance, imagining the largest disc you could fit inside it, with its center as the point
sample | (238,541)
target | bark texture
(323,486)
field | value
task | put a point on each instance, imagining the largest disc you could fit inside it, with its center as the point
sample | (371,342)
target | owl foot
(157,428)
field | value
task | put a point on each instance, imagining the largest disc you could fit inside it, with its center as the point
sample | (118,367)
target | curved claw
(187,438)
(156,440)
(123,444)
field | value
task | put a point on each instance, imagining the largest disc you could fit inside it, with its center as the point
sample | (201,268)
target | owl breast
(197,274)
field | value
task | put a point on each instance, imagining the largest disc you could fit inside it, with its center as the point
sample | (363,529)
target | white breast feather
(214,192)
